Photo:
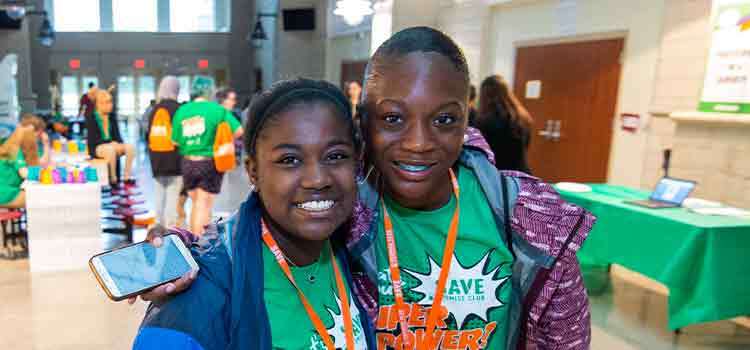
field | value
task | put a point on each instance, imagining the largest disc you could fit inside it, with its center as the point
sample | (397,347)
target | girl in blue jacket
(274,275)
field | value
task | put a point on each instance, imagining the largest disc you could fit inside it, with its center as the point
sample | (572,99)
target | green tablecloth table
(703,260)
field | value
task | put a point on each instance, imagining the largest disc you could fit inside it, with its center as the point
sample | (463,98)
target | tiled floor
(69,311)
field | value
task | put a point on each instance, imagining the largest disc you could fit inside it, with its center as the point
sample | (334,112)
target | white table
(64,225)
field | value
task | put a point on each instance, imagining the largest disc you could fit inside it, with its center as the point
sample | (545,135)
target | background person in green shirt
(194,131)
(18,152)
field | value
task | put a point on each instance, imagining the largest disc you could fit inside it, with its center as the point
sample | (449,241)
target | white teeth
(413,168)
(316,205)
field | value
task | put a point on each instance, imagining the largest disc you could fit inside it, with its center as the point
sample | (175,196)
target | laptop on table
(669,193)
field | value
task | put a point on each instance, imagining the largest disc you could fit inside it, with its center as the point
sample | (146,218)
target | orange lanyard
(398,294)
(316,321)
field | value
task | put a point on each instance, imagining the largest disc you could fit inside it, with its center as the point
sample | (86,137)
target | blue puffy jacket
(224,308)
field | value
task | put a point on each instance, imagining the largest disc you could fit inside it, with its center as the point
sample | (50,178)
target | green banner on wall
(726,88)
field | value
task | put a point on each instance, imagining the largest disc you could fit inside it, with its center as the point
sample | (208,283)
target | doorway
(72,87)
(134,94)
(570,89)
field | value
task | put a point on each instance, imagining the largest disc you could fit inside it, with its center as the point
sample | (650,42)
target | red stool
(13,226)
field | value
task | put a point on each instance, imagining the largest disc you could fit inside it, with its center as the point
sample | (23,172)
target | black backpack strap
(506,216)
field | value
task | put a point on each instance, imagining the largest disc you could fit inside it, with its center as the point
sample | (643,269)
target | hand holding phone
(135,269)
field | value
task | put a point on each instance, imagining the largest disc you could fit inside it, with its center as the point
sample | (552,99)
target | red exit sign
(139,63)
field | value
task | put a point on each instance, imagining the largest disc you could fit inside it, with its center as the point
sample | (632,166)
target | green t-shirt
(291,327)
(106,137)
(194,127)
(478,287)
(10,180)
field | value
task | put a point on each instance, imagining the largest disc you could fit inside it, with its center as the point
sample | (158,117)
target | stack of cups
(91,174)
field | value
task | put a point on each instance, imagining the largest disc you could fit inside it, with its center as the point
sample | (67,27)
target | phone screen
(141,266)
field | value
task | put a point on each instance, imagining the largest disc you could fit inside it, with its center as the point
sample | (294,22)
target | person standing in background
(505,124)
(472,105)
(165,160)
(87,105)
(353,91)
(194,131)
(227,97)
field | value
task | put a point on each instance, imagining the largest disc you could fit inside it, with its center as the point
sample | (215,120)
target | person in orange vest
(194,131)
(164,155)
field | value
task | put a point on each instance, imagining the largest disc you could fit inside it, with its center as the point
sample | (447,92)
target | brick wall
(686,38)
(718,157)
(680,70)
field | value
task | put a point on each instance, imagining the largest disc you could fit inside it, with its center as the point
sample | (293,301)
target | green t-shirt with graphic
(194,127)
(291,327)
(478,287)
(10,179)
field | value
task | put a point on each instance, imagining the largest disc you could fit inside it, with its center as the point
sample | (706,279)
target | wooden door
(352,71)
(572,132)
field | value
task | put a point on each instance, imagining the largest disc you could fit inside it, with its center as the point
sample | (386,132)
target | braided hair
(287,94)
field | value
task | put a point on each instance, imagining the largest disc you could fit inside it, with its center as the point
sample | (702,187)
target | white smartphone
(134,269)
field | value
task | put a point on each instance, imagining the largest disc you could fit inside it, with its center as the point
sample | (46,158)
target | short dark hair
(416,39)
(223,93)
(286,94)
(421,39)
(91,84)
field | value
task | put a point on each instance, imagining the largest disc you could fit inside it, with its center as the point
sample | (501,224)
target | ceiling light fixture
(353,11)
(46,33)
(258,35)
(15,12)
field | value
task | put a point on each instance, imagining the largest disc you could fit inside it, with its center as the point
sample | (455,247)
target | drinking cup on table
(73,147)
(34,173)
(91,174)
(46,177)
(57,145)
(63,173)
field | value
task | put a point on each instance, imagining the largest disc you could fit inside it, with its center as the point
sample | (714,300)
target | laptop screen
(672,190)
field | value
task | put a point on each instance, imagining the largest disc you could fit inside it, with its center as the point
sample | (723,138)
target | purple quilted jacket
(555,312)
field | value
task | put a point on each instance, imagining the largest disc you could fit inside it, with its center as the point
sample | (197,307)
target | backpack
(224,158)
(160,135)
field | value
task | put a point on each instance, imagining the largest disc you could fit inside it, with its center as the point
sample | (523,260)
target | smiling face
(304,170)
(416,117)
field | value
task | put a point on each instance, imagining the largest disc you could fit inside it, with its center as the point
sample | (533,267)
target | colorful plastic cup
(63,171)
(73,147)
(91,175)
(57,145)
(46,177)
(35,173)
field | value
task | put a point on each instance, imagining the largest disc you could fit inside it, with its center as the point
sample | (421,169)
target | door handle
(556,127)
(552,130)
(547,131)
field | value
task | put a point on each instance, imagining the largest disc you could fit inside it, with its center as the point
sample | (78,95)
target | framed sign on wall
(726,88)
